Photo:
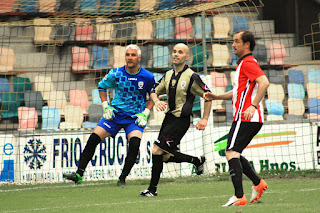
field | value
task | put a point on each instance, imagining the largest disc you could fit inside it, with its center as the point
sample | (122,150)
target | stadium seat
(229,110)
(164,29)
(4,86)
(220,55)
(7,59)
(166,4)
(161,56)
(119,59)
(295,107)
(157,76)
(260,53)
(128,5)
(275,92)
(79,98)
(144,30)
(240,23)
(314,108)
(63,33)
(296,91)
(80,58)
(277,53)
(183,28)
(6,6)
(314,76)
(276,77)
(47,6)
(10,105)
(275,110)
(27,6)
(44,85)
(28,118)
(198,27)
(147,5)
(84,29)
(96,100)
(88,5)
(104,29)
(196,104)
(100,57)
(20,85)
(50,118)
(198,56)
(109,6)
(217,104)
(218,79)
(146,53)
(95,115)
(34,99)
(221,27)
(296,77)
(42,30)
(73,118)
(67,5)
(125,31)
(57,99)
(313,90)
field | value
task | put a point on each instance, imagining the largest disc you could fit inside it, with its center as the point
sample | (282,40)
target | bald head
(182,46)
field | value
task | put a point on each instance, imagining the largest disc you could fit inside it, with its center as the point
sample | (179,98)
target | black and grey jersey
(181,90)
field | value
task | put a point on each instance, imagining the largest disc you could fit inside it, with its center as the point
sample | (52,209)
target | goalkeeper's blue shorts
(123,120)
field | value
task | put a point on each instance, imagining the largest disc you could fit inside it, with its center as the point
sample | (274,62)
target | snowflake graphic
(35,154)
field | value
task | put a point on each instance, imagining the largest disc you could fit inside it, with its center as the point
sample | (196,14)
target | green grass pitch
(192,194)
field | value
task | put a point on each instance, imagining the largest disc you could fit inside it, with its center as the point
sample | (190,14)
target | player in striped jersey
(181,85)
(249,87)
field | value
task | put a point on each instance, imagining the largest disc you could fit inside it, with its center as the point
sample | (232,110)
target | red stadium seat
(277,53)
(183,28)
(80,58)
(79,98)
(84,29)
(28,118)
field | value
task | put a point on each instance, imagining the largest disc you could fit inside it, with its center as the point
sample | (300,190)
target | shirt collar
(243,57)
(184,68)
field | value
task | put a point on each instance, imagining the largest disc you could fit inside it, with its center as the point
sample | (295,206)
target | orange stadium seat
(42,29)
(47,6)
(7,59)
(144,30)
(104,29)
(6,6)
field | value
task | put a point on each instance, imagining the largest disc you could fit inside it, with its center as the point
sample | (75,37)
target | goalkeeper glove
(142,118)
(108,111)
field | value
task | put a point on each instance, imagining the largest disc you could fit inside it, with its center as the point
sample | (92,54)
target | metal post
(204,43)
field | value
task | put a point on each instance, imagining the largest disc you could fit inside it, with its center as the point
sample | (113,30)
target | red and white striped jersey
(245,89)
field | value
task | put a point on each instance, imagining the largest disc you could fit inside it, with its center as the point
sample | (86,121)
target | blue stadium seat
(50,118)
(109,6)
(161,56)
(234,58)
(296,76)
(88,5)
(198,28)
(240,23)
(27,6)
(314,105)
(313,76)
(96,97)
(296,91)
(100,57)
(274,107)
(166,4)
(4,86)
(164,29)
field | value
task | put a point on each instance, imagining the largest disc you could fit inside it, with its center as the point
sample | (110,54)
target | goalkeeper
(129,110)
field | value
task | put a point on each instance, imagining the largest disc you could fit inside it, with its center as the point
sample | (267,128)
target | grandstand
(54,52)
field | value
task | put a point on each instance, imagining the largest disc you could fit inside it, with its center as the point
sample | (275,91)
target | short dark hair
(247,36)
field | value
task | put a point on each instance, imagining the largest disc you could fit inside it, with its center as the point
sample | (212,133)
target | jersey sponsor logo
(140,85)
(132,79)
(183,84)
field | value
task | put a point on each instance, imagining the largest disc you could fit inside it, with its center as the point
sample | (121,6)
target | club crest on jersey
(173,82)
(140,85)
(183,84)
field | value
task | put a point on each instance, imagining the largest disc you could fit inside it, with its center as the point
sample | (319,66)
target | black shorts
(241,134)
(171,132)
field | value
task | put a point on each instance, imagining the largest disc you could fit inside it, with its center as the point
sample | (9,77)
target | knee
(134,144)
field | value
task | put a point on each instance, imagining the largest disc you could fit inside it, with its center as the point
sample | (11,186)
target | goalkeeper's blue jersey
(130,89)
